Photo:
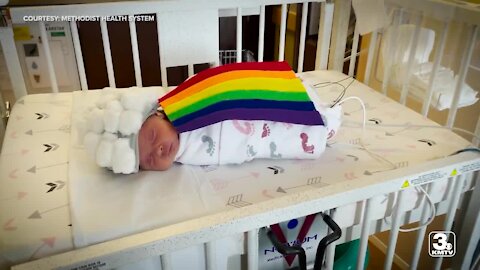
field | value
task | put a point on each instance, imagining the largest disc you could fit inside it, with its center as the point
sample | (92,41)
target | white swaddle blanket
(239,141)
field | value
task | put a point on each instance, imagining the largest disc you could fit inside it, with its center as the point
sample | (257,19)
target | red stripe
(307,224)
(272,66)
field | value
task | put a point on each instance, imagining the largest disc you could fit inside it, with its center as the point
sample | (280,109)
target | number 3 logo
(441,241)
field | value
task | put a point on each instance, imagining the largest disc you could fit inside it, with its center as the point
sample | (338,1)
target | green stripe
(236,95)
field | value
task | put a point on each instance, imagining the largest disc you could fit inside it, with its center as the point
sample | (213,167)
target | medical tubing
(327,240)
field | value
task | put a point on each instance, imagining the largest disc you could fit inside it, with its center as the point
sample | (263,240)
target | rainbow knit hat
(241,91)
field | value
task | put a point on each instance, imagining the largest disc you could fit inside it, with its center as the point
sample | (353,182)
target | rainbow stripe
(242,91)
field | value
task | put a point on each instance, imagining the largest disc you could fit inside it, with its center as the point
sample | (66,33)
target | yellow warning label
(405,184)
(454,172)
(21,33)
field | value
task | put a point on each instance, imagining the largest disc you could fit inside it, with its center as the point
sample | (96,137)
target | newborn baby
(230,142)
(226,115)
(268,125)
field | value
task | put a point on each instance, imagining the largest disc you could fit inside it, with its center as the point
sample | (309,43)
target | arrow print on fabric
(401,164)
(237,201)
(53,186)
(13,135)
(276,169)
(64,128)
(38,215)
(22,152)
(49,241)
(20,195)
(407,127)
(427,141)
(54,102)
(8,226)
(51,147)
(265,193)
(310,181)
(355,158)
(35,168)
(375,120)
(42,116)
(13,174)
(350,175)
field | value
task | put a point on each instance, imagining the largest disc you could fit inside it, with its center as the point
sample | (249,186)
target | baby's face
(158,144)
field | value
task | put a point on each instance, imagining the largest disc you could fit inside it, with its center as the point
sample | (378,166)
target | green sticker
(58,34)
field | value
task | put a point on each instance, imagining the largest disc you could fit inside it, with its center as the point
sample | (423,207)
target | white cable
(423,126)
(433,212)
(363,108)
(362,144)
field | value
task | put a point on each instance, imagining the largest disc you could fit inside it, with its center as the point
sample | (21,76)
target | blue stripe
(247,104)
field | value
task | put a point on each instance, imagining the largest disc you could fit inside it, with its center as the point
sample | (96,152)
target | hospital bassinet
(218,219)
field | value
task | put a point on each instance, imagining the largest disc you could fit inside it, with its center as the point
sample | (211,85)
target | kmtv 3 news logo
(442,244)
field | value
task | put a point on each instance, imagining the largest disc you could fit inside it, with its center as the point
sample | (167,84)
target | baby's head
(158,143)
(123,131)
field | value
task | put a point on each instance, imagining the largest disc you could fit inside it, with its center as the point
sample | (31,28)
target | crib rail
(206,229)
(108,10)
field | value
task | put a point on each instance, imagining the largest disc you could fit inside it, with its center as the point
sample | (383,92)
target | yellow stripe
(273,84)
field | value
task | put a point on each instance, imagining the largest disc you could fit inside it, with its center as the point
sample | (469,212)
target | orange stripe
(198,87)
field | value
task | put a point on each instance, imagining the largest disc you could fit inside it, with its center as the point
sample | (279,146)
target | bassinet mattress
(35,210)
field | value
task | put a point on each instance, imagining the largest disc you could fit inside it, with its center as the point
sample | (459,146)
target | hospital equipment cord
(378,157)
(339,100)
(433,212)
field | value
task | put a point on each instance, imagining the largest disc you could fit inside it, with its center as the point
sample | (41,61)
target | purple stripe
(309,118)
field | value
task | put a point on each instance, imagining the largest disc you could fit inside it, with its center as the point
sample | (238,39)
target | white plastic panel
(178,30)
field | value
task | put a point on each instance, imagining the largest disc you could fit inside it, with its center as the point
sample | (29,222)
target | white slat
(190,70)
(475,140)
(303,27)
(252,249)
(390,49)
(78,55)
(108,53)
(353,54)
(13,64)
(324,35)
(411,60)
(239,35)
(393,237)
(261,33)
(367,216)
(166,262)
(467,56)
(469,232)
(452,209)
(136,58)
(341,20)
(210,255)
(48,56)
(371,53)
(163,68)
(421,231)
(436,65)
(283,31)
